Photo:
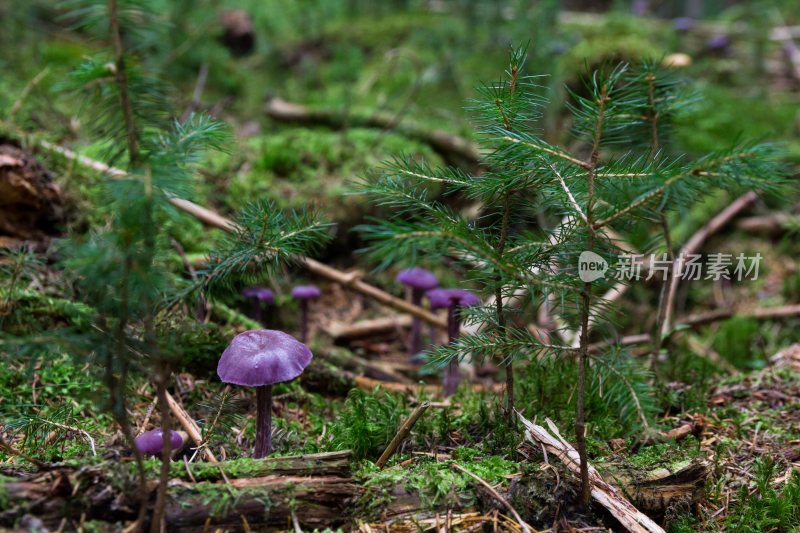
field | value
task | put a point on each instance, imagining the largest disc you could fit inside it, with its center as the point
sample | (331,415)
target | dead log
(265,503)
(315,464)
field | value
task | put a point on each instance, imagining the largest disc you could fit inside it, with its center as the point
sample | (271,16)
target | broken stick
(405,429)
(188,424)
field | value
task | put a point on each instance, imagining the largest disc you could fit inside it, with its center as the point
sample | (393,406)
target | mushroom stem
(416,324)
(256,311)
(263,421)
(303,321)
(451,373)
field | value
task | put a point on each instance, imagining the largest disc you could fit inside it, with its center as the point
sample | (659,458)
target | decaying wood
(265,503)
(605,494)
(454,149)
(367,328)
(664,488)
(325,464)
(380,370)
(31,205)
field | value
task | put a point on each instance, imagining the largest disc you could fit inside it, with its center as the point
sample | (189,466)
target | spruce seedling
(121,269)
(544,207)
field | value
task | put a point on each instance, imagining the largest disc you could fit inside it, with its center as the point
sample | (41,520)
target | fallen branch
(454,149)
(189,425)
(402,433)
(693,246)
(606,495)
(11,450)
(367,328)
(758,313)
(773,224)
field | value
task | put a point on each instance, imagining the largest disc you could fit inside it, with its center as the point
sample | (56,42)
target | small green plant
(367,423)
(771,508)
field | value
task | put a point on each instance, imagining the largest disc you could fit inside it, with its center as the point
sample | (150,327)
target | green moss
(716,121)
(735,341)
(617,37)
(436,483)
(670,455)
(30,312)
(4,499)
(298,167)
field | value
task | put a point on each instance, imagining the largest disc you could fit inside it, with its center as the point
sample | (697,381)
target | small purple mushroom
(683,24)
(261,358)
(258,296)
(452,300)
(152,442)
(418,280)
(304,293)
(718,43)
(640,8)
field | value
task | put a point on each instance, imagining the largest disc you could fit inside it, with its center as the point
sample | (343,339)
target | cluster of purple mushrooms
(261,358)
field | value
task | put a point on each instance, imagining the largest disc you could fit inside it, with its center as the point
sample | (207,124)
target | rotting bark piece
(661,489)
(31,205)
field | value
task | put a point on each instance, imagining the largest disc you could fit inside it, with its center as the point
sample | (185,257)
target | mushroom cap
(152,442)
(306,292)
(418,278)
(446,298)
(718,42)
(262,357)
(260,293)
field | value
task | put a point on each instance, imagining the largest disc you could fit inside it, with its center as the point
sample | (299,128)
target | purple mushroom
(259,358)
(640,8)
(152,442)
(258,296)
(683,24)
(452,300)
(418,280)
(304,293)
(718,44)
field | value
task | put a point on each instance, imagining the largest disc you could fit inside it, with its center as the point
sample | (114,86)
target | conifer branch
(549,151)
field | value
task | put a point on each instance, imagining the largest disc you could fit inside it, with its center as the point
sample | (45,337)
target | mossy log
(315,464)
(262,503)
